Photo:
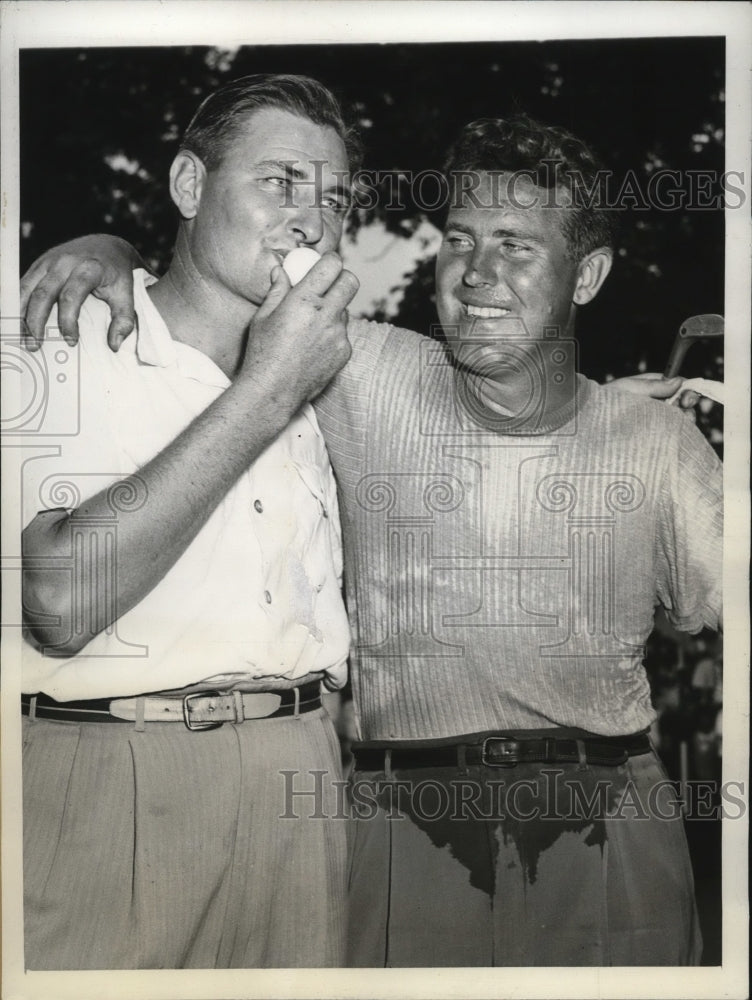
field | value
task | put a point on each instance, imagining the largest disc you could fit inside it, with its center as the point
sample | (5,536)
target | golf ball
(299,262)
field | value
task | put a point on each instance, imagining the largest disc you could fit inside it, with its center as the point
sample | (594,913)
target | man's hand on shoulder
(653,385)
(97,265)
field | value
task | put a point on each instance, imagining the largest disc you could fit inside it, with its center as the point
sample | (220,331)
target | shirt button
(258,506)
(267,597)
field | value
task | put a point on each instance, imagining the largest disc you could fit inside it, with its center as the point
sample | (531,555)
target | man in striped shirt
(509,527)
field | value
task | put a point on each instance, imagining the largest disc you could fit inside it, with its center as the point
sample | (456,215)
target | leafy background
(99,128)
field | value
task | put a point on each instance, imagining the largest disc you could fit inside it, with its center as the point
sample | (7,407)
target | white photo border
(38,24)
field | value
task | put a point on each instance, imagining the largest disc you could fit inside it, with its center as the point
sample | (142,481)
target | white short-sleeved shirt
(256,595)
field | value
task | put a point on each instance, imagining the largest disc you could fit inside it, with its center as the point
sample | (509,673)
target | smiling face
(282,183)
(504,271)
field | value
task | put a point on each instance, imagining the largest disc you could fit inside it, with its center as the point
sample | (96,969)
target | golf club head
(695,328)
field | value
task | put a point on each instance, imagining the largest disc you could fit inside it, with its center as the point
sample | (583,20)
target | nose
(481,268)
(306,223)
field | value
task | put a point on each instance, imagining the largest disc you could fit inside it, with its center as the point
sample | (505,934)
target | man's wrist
(275,400)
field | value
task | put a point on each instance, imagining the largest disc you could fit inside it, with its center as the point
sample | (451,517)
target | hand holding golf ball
(297,340)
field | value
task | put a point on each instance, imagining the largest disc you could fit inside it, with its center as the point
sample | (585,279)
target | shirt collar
(155,345)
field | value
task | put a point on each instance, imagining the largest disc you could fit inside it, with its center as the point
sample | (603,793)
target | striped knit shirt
(499,580)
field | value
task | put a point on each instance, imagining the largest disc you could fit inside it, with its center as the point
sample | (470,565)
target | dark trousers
(535,865)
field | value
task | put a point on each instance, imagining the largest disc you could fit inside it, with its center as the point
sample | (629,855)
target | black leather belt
(199,711)
(503,751)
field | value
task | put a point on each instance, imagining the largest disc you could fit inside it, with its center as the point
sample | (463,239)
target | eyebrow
(284,166)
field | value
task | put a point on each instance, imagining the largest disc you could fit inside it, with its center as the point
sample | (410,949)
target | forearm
(67,596)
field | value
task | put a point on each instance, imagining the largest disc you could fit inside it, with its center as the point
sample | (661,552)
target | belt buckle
(191,723)
(512,751)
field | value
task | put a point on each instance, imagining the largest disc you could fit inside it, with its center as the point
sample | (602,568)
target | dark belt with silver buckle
(199,711)
(505,751)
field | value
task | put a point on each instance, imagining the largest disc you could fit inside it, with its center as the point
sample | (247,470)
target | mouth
(486,312)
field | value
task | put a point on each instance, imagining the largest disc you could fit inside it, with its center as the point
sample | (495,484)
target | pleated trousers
(168,848)
(535,865)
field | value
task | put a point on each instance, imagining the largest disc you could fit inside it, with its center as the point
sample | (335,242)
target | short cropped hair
(552,157)
(216,123)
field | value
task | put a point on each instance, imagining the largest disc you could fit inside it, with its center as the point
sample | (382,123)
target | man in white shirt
(181,575)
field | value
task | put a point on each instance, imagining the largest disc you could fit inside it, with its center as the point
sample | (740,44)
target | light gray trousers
(170,849)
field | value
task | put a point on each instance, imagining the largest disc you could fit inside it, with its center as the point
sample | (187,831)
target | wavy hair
(552,158)
(216,123)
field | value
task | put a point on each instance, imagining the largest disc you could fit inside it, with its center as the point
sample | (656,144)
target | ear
(592,271)
(187,175)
